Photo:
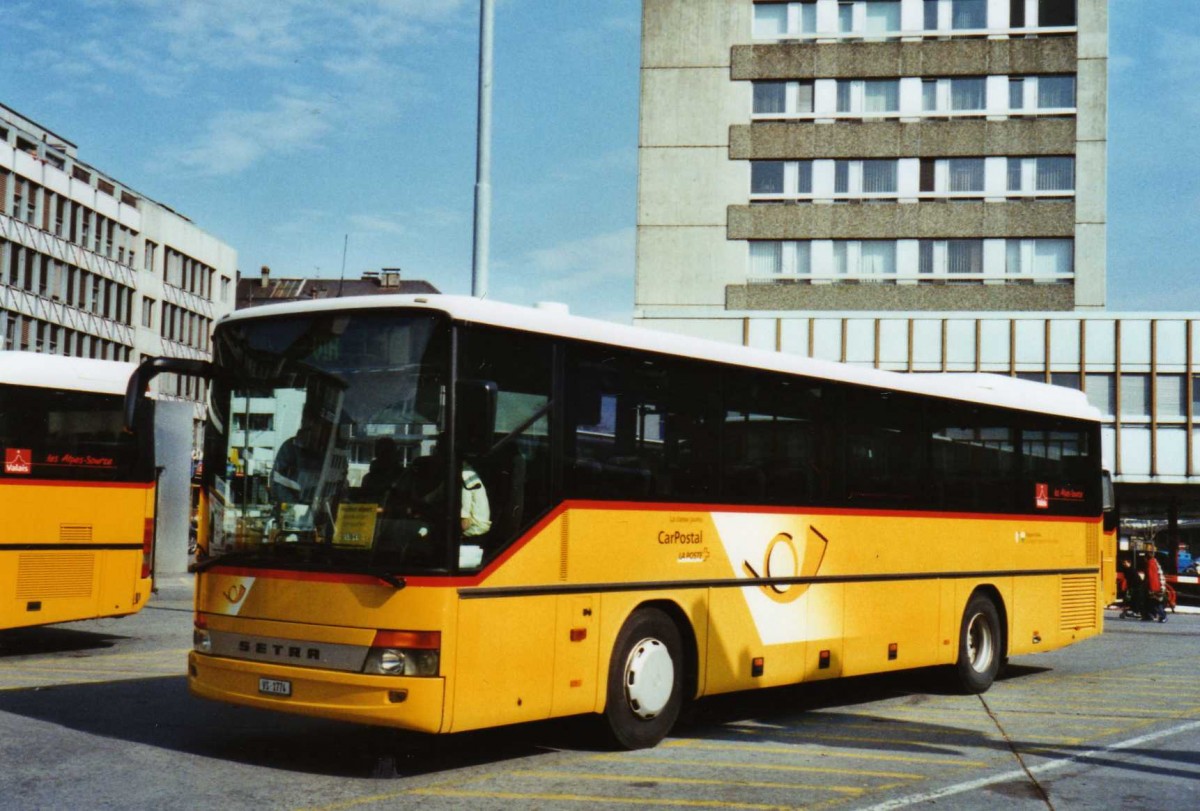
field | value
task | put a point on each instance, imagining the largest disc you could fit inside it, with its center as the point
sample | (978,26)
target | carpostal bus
(76,492)
(668,518)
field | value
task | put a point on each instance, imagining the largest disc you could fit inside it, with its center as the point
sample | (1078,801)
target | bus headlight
(404,653)
(201,639)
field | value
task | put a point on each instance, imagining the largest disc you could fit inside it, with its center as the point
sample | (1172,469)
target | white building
(91,268)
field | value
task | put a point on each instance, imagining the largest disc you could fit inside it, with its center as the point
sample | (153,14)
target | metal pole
(483,157)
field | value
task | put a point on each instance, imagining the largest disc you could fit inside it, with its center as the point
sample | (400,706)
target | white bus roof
(59,372)
(987,389)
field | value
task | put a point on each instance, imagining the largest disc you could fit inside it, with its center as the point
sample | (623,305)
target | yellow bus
(666,518)
(76,492)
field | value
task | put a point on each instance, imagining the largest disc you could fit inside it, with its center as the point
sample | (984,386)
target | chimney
(266,276)
(391,277)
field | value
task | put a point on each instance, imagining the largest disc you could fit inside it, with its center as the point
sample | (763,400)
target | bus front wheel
(979,645)
(645,680)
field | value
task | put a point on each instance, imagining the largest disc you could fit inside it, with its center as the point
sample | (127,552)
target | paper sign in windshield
(355,525)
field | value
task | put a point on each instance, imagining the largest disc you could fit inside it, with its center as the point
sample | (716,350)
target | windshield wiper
(395,581)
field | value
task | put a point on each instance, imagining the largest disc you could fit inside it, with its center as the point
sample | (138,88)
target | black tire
(980,645)
(645,681)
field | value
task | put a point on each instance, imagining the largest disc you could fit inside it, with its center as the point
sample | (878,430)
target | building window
(780,177)
(968,14)
(962,176)
(1170,398)
(865,96)
(766,177)
(147,312)
(1041,93)
(865,177)
(1041,174)
(868,17)
(771,260)
(1056,13)
(1101,392)
(959,15)
(958,95)
(951,256)
(782,98)
(867,257)
(1135,398)
(773,20)
(1044,258)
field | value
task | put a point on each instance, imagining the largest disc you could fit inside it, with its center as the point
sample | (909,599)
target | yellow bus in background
(667,518)
(76,492)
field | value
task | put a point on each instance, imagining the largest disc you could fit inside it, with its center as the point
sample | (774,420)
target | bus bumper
(394,701)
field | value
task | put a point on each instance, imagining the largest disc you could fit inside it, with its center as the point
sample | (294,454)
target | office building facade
(91,268)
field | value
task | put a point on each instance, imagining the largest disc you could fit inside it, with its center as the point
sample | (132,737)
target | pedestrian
(1156,586)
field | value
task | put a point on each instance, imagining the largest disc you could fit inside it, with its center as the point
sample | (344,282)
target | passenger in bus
(297,468)
(476,518)
(385,471)
(476,513)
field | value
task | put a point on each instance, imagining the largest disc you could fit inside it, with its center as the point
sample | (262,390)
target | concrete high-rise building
(872,154)
(91,268)
(916,185)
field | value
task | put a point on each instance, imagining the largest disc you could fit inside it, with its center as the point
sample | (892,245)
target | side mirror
(151,368)
(1108,501)
(475,416)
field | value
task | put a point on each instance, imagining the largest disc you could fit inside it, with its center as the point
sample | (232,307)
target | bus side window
(639,428)
(516,470)
(774,441)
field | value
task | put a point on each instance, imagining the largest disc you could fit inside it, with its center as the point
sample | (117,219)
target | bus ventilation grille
(1078,602)
(74,533)
(43,575)
(1093,545)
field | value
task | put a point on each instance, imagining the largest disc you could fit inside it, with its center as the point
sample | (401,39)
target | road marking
(591,798)
(686,781)
(776,767)
(793,750)
(1020,774)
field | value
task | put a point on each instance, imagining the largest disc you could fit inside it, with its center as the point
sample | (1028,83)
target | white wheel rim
(649,678)
(979,643)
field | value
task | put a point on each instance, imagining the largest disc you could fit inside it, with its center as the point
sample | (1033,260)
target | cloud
(1180,55)
(377,224)
(575,264)
(233,140)
(589,274)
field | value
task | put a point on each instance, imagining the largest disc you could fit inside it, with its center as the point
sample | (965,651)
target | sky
(291,128)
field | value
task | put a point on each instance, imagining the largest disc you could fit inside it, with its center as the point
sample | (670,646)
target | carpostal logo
(1041,495)
(18,460)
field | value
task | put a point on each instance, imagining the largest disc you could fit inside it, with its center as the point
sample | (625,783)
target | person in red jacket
(1156,585)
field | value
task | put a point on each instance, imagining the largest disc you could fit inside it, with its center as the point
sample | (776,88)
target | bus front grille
(1079,596)
(45,575)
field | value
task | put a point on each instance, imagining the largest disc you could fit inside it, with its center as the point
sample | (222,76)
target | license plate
(275,687)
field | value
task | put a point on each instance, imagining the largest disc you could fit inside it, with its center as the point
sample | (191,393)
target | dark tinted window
(639,427)
(777,446)
(884,452)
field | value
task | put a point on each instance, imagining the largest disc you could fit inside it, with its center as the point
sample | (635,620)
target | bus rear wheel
(645,680)
(979,645)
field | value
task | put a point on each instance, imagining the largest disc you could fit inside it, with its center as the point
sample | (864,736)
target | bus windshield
(322,443)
